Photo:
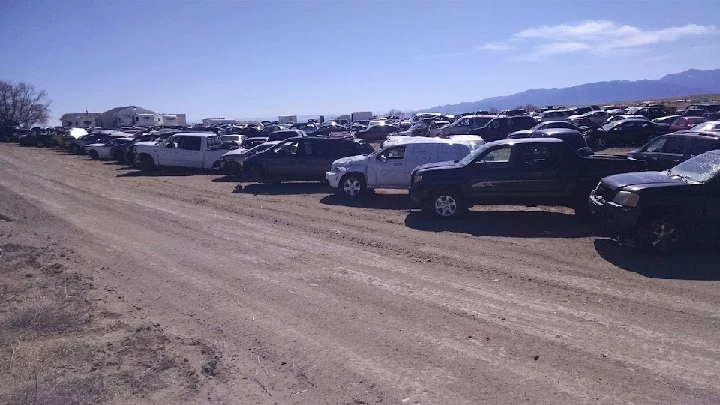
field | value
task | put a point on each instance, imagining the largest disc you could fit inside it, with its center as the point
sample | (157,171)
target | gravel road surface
(313,300)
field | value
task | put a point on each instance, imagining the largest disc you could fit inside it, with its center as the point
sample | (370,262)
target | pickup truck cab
(391,166)
(531,171)
(660,211)
(200,150)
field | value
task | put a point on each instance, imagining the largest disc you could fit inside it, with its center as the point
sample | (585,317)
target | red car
(685,123)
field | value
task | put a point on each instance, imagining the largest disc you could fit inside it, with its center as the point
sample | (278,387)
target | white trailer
(287,119)
(361,116)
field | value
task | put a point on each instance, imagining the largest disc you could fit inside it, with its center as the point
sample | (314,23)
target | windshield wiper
(682,176)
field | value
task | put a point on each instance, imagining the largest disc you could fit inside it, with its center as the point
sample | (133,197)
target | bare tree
(22,103)
(493,111)
(530,107)
(394,113)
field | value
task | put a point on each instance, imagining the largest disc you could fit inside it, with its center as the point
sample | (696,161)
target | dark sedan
(625,132)
(377,132)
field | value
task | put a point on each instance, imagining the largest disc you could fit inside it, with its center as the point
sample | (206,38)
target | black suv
(660,211)
(667,151)
(500,127)
(301,159)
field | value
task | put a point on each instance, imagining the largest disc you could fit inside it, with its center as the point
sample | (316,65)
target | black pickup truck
(660,211)
(532,171)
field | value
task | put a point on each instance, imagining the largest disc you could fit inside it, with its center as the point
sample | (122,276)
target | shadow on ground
(372,200)
(282,189)
(511,224)
(167,172)
(698,262)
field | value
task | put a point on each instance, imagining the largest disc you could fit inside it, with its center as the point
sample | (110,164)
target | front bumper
(615,218)
(333,178)
(418,192)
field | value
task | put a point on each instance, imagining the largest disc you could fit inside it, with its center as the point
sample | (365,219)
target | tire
(446,204)
(74,149)
(599,143)
(352,186)
(662,235)
(233,168)
(146,163)
(40,144)
(94,155)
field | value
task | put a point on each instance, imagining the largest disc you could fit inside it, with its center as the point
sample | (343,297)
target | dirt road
(313,300)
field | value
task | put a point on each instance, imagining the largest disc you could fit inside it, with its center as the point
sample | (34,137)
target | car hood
(449,164)
(525,133)
(236,152)
(642,180)
(148,143)
(347,161)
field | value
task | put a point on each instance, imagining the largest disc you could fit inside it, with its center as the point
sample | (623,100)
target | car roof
(524,140)
(404,140)
(552,131)
(200,134)
(696,134)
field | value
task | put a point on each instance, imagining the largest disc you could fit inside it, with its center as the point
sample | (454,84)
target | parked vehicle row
(659,196)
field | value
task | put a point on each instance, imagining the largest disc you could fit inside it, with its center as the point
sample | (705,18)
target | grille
(607,193)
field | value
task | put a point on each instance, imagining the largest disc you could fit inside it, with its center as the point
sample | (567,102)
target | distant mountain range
(673,85)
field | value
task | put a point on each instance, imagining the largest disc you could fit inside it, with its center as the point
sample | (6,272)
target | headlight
(418,178)
(627,199)
(339,169)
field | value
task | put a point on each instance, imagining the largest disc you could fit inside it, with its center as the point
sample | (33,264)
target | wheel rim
(600,143)
(664,236)
(445,205)
(351,187)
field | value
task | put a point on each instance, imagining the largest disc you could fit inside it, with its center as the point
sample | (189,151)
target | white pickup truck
(200,150)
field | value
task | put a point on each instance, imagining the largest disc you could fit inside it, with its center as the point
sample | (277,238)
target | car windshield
(469,158)
(707,126)
(482,121)
(699,169)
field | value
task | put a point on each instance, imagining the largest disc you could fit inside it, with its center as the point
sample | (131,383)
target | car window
(501,154)
(675,145)
(540,157)
(287,148)
(191,143)
(699,146)
(656,145)
(397,152)
(344,148)
(464,122)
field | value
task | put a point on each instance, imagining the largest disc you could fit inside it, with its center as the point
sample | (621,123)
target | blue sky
(263,58)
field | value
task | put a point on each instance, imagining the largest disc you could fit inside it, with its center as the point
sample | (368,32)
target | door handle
(397,164)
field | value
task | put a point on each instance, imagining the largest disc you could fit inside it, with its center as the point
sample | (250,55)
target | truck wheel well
(359,175)
(653,212)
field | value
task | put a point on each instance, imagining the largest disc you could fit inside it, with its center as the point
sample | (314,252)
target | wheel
(94,155)
(352,186)
(145,163)
(75,149)
(662,235)
(40,143)
(233,168)
(446,204)
(599,143)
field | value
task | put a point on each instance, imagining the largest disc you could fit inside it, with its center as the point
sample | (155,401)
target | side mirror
(382,158)
(170,145)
